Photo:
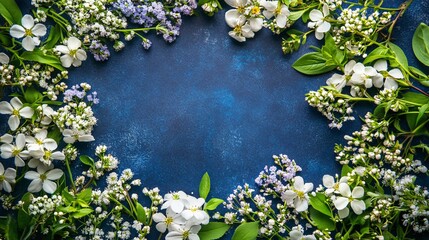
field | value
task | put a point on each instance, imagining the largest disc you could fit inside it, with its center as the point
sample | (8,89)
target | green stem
(70,174)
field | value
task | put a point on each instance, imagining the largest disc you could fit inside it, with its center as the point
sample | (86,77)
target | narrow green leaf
(205,186)
(421,43)
(213,230)
(213,203)
(10,11)
(54,37)
(82,212)
(11,230)
(313,64)
(140,213)
(86,160)
(422,111)
(38,56)
(246,231)
(417,98)
(321,220)
(318,202)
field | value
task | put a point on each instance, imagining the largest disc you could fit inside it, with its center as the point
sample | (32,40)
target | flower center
(48,154)
(15,152)
(15,112)
(185,235)
(28,32)
(73,52)
(168,221)
(176,196)
(43,177)
(240,9)
(2,178)
(255,10)
(39,141)
(237,29)
(300,194)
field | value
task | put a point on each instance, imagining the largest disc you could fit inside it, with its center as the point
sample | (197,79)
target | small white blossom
(351,197)
(73,54)
(29,32)
(43,178)
(298,195)
(16,110)
(7,178)
(318,22)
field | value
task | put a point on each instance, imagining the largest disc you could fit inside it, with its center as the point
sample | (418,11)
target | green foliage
(421,43)
(204,186)
(39,56)
(318,202)
(213,230)
(213,203)
(313,64)
(321,220)
(10,11)
(246,231)
(400,60)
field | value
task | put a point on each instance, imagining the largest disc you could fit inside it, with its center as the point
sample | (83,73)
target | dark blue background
(208,103)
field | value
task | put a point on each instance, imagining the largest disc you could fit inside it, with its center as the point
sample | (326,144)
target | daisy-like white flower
(167,222)
(241,29)
(389,82)
(40,141)
(318,22)
(331,185)
(193,210)
(16,110)
(340,81)
(16,151)
(43,178)
(298,194)
(73,54)
(184,232)
(365,75)
(29,32)
(175,201)
(7,178)
(352,197)
(4,59)
(71,136)
(279,11)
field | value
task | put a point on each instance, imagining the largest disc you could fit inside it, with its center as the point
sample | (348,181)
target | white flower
(184,233)
(339,81)
(16,110)
(318,21)
(389,82)
(8,150)
(42,149)
(73,54)
(167,222)
(280,11)
(298,235)
(351,197)
(254,18)
(70,136)
(4,59)
(194,211)
(29,32)
(366,76)
(175,201)
(236,3)
(6,178)
(298,195)
(43,178)
(331,185)
(40,141)
(241,29)
(6,138)
(47,113)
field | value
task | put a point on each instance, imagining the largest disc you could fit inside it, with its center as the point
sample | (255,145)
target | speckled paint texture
(209,104)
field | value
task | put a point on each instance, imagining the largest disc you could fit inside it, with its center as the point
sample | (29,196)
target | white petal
(13,122)
(1,169)
(311,24)
(377,80)
(62,49)
(20,141)
(295,235)
(187,214)
(328,181)
(68,139)
(359,68)
(325,10)
(348,69)
(281,20)
(7,138)
(66,60)
(26,112)
(17,31)
(76,62)
(74,43)
(316,15)
(236,37)
(343,213)
(298,183)
(247,31)
(16,103)
(31,175)
(324,27)
(81,55)
(341,203)
(270,5)
(301,205)
(54,174)
(289,195)
(256,24)
(86,138)
(10,175)
(6,186)
(58,156)
(161,227)
(344,189)
(50,144)
(390,83)
(319,35)
(177,206)
(232,18)
(370,71)
(358,206)
(28,43)
(396,73)
(5,108)
(158,217)
(4,59)
(35,185)
(49,186)
(308,187)
(381,65)
(19,162)
(39,30)
(268,14)
(27,21)
(358,192)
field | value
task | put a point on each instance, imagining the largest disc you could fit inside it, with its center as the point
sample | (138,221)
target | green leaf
(322,221)
(55,133)
(11,229)
(378,53)
(205,186)
(246,231)
(82,212)
(213,203)
(67,196)
(32,95)
(318,202)
(421,43)
(140,213)
(418,72)
(345,170)
(401,59)
(54,36)
(85,195)
(213,230)
(417,98)
(295,15)
(422,111)
(10,11)
(38,56)
(313,64)
(87,160)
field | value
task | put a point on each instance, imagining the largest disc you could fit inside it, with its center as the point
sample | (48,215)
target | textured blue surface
(207,103)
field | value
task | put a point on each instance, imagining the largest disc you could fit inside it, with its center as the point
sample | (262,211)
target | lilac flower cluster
(100,51)
(76,92)
(165,16)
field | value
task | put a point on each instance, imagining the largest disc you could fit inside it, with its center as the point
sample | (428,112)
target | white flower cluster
(45,205)
(105,163)
(249,16)
(389,97)
(183,218)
